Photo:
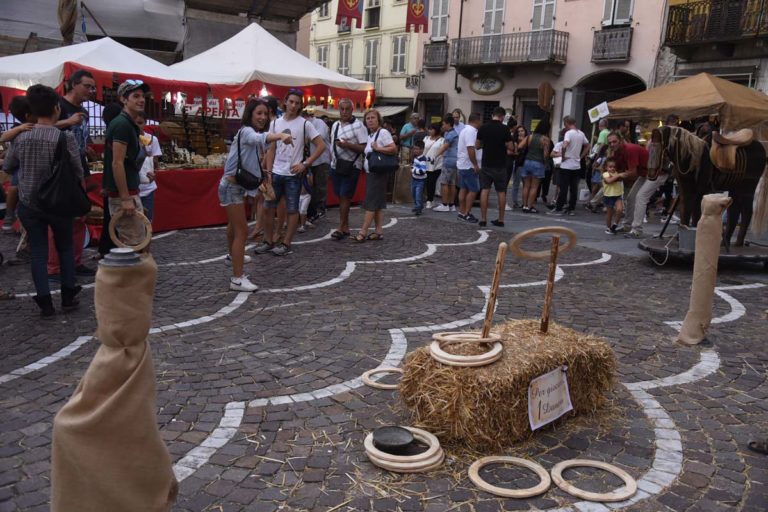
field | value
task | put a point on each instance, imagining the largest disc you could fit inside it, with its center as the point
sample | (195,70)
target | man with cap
(121,151)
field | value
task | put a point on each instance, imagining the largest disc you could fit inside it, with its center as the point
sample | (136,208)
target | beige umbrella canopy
(697,96)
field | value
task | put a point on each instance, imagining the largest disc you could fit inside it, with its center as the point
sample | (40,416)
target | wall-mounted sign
(486,85)
(548,398)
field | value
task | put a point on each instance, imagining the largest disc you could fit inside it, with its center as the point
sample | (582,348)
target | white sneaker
(301,229)
(242,284)
(453,208)
(645,219)
(429,205)
(441,208)
(507,208)
(228,260)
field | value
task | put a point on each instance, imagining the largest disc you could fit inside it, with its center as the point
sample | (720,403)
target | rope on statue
(67,14)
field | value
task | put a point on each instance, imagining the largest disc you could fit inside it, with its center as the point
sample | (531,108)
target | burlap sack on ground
(709,234)
(107,452)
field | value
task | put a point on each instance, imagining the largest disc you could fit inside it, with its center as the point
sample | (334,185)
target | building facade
(482,53)
(726,38)
(380,51)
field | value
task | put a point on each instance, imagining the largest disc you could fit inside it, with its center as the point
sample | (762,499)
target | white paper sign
(548,398)
(598,112)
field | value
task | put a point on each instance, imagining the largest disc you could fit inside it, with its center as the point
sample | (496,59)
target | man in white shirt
(320,168)
(468,163)
(348,140)
(286,168)
(575,148)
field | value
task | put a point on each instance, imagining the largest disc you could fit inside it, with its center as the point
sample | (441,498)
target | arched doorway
(609,85)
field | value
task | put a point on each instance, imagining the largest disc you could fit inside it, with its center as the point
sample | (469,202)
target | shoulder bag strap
(239,161)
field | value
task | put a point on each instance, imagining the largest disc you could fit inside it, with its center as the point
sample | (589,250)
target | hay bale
(487,407)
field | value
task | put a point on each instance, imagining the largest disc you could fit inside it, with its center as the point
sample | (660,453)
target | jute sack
(107,451)
(709,234)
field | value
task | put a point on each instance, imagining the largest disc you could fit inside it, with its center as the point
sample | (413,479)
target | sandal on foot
(759,446)
(359,238)
(339,235)
(376,237)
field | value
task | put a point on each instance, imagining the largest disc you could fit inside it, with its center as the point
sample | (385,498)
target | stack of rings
(439,354)
(423,462)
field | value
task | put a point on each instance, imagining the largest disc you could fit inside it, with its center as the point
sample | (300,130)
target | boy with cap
(121,151)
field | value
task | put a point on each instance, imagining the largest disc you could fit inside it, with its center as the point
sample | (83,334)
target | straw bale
(487,407)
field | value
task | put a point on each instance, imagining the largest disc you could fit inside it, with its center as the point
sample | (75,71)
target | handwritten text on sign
(548,398)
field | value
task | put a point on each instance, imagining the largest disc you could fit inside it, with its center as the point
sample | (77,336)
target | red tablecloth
(189,198)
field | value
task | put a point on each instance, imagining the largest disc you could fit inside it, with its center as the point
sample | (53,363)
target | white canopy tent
(254,56)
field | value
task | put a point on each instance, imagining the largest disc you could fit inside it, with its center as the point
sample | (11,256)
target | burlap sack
(107,452)
(709,234)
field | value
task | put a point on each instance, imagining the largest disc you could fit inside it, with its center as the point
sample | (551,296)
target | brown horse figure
(688,157)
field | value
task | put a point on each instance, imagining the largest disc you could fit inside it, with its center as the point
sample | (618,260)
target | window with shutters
(439,18)
(324,11)
(371,59)
(494,17)
(617,12)
(322,55)
(399,43)
(543,15)
(345,49)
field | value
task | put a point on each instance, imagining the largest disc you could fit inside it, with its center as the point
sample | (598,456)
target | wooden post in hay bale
(486,407)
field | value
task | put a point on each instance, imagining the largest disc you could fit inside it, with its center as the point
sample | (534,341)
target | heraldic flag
(418,16)
(350,10)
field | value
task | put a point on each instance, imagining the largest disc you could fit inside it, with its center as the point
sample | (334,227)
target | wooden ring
(629,482)
(411,467)
(474,475)
(119,214)
(465,337)
(420,434)
(514,244)
(378,385)
(440,355)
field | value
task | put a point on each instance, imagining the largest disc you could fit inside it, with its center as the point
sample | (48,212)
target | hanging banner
(417,16)
(350,10)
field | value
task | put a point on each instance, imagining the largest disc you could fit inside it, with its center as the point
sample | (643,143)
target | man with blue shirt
(448,176)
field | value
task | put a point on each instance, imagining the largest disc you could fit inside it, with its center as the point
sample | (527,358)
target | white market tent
(48,67)
(254,58)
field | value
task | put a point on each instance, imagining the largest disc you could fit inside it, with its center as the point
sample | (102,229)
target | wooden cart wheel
(465,337)
(514,244)
(620,495)
(474,475)
(440,355)
(379,385)
(119,214)
(422,435)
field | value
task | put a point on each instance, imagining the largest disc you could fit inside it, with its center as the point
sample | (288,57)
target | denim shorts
(533,168)
(448,176)
(230,193)
(344,186)
(597,177)
(469,180)
(610,201)
(288,186)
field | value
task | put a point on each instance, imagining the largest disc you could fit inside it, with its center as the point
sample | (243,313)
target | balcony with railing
(612,44)
(545,46)
(716,21)
(436,55)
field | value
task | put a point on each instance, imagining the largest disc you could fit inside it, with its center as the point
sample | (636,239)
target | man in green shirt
(121,165)
(602,137)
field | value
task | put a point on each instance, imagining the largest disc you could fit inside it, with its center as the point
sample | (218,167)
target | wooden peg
(550,283)
(491,306)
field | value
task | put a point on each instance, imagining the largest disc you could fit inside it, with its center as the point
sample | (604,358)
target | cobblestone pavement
(262,409)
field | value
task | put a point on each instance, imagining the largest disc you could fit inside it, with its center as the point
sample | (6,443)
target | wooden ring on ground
(629,482)
(514,244)
(466,337)
(411,467)
(119,214)
(438,354)
(422,435)
(378,385)
(474,475)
